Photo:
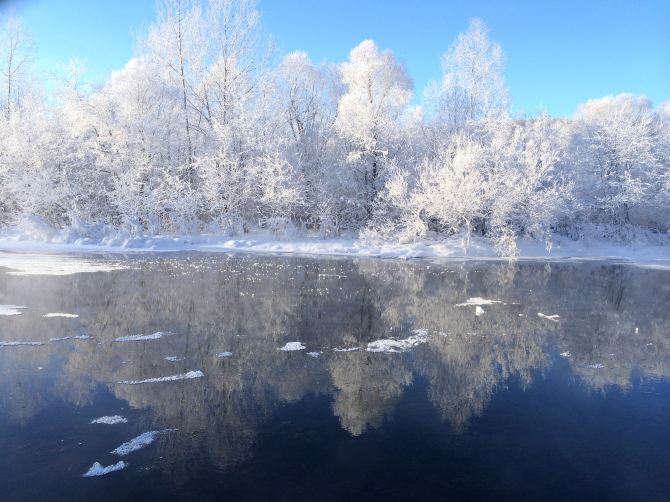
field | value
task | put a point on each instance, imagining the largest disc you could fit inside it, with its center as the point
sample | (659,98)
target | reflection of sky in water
(427,377)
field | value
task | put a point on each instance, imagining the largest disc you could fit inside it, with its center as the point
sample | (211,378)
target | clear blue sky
(559,53)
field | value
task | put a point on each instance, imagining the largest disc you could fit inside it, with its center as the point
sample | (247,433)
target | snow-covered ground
(14,246)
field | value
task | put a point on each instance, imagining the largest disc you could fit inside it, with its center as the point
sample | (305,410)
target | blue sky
(559,53)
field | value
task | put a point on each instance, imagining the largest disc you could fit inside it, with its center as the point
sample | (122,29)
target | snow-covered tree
(16,56)
(378,90)
(619,170)
(472,86)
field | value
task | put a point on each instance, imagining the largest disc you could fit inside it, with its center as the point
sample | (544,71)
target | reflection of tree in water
(253,305)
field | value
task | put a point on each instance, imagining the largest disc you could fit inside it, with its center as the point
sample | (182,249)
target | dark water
(481,408)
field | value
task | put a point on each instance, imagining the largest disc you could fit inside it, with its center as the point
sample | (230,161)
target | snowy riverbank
(454,247)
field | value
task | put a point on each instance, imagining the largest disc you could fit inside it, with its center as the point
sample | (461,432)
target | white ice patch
(290,346)
(479,311)
(172,378)
(139,442)
(98,470)
(43,264)
(314,354)
(21,344)
(477,301)
(61,314)
(11,309)
(347,349)
(392,346)
(111,420)
(565,354)
(77,337)
(174,359)
(595,366)
(553,318)
(224,354)
(137,338)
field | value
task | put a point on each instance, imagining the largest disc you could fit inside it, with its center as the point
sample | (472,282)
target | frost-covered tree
(472,86)
(378,90)
(619,170)
(16,56)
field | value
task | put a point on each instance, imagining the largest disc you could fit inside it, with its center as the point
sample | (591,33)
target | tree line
(208,130)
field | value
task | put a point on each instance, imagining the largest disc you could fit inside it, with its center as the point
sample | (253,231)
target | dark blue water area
(504,405)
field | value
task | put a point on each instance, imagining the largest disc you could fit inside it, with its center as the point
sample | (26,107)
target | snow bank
(111,420)
(393,346)
(98,470)
(11,309)
(291,346)
(172,378)
(458,247)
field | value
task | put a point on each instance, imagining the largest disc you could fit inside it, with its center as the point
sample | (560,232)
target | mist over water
(446,383)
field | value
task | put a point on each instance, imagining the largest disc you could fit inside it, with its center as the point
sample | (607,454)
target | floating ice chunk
(173,378)
(477,300)
(20,344)
(565,354)
(111,420)
(389,345)
(553,318)
(139,442)
(61,314)
(98,470)
(174,359)
(314,354)
(11,309)
(44,264)
(77,337)
(224,354)
(137,338)
(347,349)
(595,366)
(290,346)
(479,311)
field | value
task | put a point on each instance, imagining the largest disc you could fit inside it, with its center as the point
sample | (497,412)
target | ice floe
(390,345)
(314,354)
(57,264)
(565,354)
(140,337)
(174,359)
(172,378)
(346,349)
(97,469)
(74,337)
(61,314)
(21,344)
(290,346)
(224,354)
(11,309)
(595,366)
(479,311)
(553,318)
(477,301)
(139,442)
(110,420)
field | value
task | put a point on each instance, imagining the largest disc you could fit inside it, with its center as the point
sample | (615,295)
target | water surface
(455,403)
